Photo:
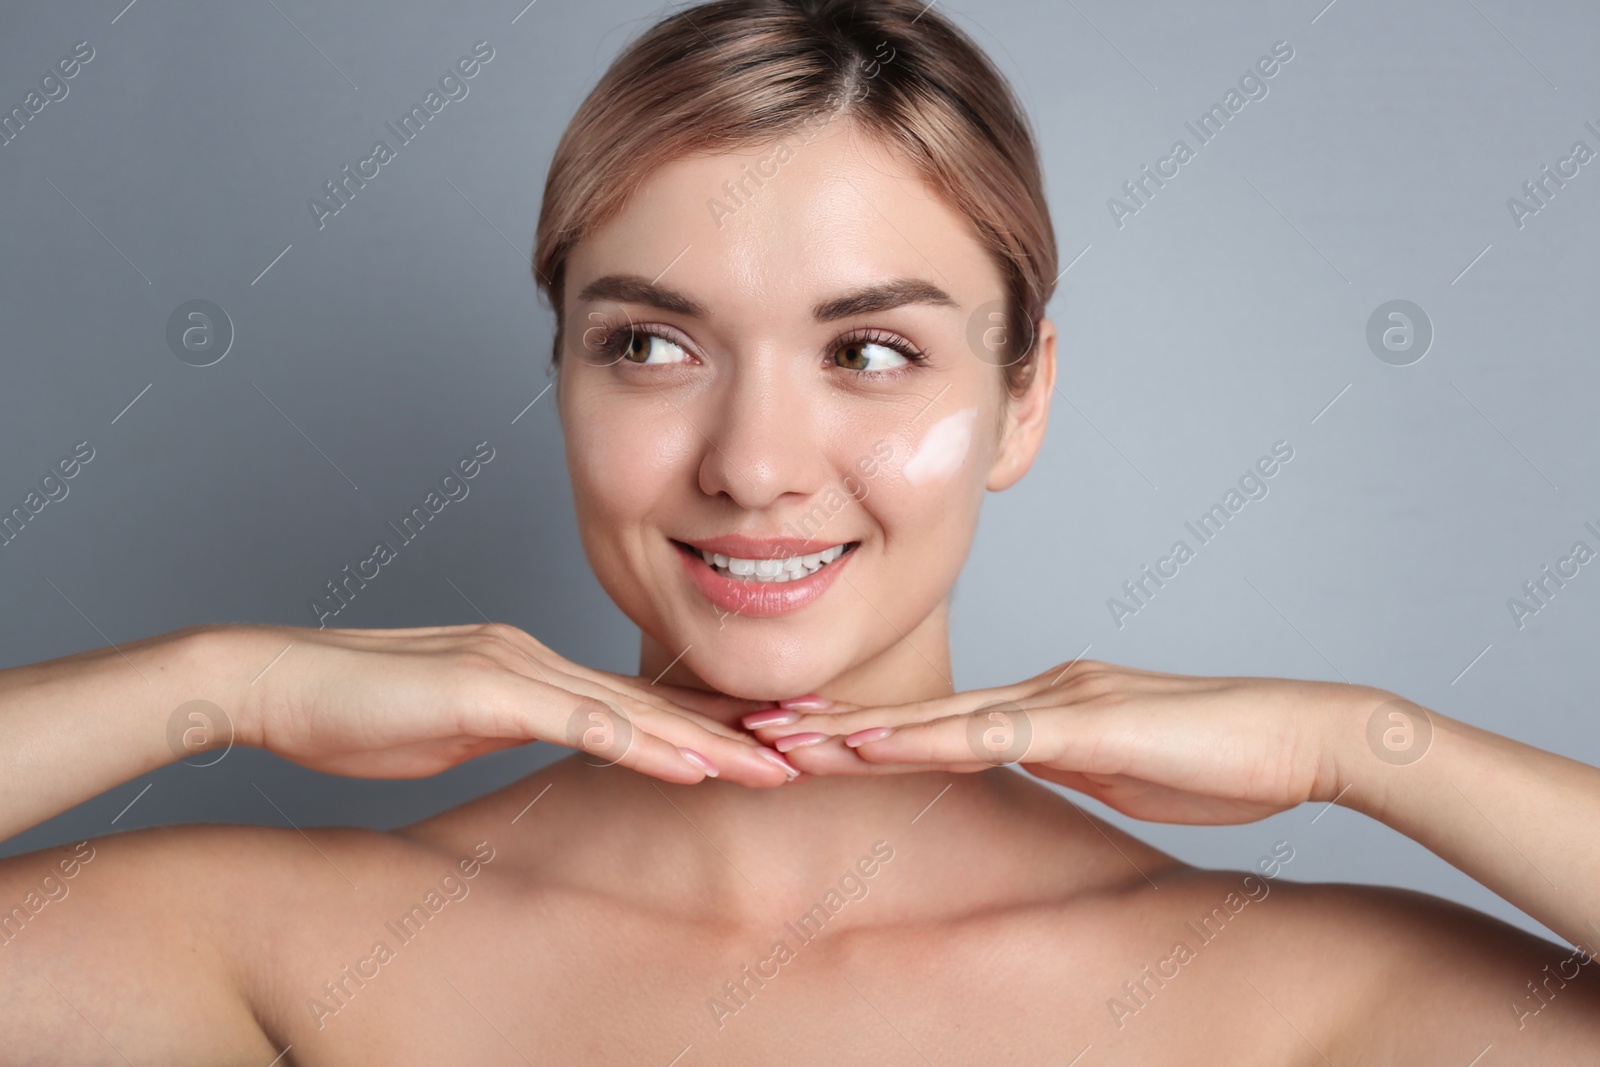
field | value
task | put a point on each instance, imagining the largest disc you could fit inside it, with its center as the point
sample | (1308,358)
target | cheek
(943,450)
(930,489)
(624,458)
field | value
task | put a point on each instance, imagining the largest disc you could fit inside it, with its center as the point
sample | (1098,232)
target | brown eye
(868,356)
(644,347)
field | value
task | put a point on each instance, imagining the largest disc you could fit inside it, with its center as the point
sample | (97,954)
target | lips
(748,596)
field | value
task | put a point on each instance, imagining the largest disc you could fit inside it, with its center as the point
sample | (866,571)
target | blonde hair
(731,74)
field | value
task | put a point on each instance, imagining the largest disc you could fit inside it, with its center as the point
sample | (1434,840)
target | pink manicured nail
(794,741)
(861,737)
(699,761)
(756,720)
(772,757)
(809,702)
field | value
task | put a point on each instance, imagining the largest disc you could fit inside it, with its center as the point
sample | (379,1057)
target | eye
(864,354)
(642,346)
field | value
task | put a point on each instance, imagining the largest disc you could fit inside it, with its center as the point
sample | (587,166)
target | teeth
(772,570)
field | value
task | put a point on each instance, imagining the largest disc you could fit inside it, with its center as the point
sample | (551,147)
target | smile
(785,569)
(762,578)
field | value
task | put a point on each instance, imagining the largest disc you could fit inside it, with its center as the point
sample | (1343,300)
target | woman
(800,257)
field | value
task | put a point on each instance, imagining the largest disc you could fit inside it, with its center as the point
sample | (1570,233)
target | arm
(73,727)
(1182,749)
(157,945)
(368,703)
(1518,819)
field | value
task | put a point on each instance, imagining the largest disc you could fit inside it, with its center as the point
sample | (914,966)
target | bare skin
(598,914)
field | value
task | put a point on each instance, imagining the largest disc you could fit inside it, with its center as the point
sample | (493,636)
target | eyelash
(617,335)
(871,335)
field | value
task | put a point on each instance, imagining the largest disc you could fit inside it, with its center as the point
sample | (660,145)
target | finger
(989,738)
(831,756)
(622,731)
(682,752)
(554,668)
(739,759)
(655,706)
(771,725)
(648,754)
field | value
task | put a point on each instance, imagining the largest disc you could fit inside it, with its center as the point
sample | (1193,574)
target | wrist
(1375,740)
(214,710)
(1344,760)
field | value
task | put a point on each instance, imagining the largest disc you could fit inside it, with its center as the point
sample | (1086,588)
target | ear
(1026,416)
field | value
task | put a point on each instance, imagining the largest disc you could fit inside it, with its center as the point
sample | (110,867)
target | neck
(751,855)
(792,839)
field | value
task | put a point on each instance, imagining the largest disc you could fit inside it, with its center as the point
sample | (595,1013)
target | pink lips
(756,599)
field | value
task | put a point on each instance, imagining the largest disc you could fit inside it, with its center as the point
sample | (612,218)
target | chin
(754,679)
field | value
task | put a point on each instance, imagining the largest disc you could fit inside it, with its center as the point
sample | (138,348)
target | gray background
(1229,313)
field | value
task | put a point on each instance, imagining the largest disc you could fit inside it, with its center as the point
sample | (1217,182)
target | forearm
(73,727)
(1523,821)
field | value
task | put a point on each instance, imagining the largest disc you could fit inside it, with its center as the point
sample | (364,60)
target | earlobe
(1027,416)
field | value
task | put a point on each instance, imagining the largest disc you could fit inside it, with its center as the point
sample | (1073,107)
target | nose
(761,439)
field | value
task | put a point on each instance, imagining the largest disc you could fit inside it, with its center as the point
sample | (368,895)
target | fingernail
(861,737)
(772,757)
(794,741)
(699,761)
(756,720)
(809,702)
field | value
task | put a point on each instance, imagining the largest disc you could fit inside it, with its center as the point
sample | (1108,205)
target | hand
(1163,747)
(404,703)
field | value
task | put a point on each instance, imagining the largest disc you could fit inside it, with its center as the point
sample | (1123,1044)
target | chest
(573,982)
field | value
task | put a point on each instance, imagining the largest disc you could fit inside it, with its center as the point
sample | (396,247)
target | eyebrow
(901,292)
(636,289)
(882,297)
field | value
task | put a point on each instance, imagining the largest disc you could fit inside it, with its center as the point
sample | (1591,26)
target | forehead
(773,228)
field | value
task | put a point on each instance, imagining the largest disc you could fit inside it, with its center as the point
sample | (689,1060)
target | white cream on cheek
(943,450)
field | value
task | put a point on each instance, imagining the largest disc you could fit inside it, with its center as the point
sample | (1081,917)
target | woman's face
(769,359)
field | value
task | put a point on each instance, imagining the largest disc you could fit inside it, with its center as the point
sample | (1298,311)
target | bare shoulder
(1245,966)
(1403,976)
(167,943)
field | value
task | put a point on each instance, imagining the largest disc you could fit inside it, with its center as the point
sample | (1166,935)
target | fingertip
(695,759)
(790,771)
(771,717)
(790,742)
(807,702)
(867,736)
